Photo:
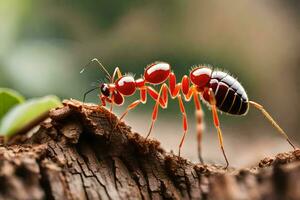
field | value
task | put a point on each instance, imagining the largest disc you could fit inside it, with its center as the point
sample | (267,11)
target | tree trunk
(76,154)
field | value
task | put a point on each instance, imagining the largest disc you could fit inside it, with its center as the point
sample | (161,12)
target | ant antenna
(89,91)
(102,67)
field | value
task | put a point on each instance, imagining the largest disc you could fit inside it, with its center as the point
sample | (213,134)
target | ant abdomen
(230,95)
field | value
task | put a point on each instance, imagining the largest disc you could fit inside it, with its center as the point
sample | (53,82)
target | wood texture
(75,154)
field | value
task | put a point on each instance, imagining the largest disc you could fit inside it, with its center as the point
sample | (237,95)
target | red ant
(217,88)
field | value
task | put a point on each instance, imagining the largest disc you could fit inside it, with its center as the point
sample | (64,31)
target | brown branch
(76,155)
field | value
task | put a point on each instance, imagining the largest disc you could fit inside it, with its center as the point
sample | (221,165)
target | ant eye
(104,89)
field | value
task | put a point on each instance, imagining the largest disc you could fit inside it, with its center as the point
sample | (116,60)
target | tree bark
(76,154)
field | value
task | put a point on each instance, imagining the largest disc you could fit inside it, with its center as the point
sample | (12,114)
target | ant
(219,90)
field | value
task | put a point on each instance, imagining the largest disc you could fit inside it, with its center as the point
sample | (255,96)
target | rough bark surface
(75,154)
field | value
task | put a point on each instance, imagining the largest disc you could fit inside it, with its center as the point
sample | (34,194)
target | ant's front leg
(130,107)
(163,100)
(103,100)
(143,99)
(117,72)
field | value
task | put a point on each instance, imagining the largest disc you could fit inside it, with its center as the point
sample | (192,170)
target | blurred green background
(45,44)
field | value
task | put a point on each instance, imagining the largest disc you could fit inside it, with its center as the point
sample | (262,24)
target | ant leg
(130,107)
(143,95)
(111,109)
(199,127)
(184,122)
(162,90)
(272,121)
(212,100)
(174,88)
(118,72)
(143,99)
(163,100)
(103,100)
(188,93)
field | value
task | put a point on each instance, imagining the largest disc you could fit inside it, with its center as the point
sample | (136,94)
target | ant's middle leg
(199,124)
(162,100)
(190,92)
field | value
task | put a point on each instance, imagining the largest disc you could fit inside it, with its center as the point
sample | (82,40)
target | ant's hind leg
(212,100)
(272,121)
(199,124)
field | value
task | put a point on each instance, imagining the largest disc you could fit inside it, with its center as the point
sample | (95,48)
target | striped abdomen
(230,95)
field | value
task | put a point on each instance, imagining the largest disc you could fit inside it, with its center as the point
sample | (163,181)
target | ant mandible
(218,89)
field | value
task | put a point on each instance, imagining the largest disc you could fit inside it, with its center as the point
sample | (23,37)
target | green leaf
(8,99)
(24,114)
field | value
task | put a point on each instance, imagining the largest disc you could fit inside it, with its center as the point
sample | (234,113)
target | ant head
(200,76)
(108,90)
(104,88)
